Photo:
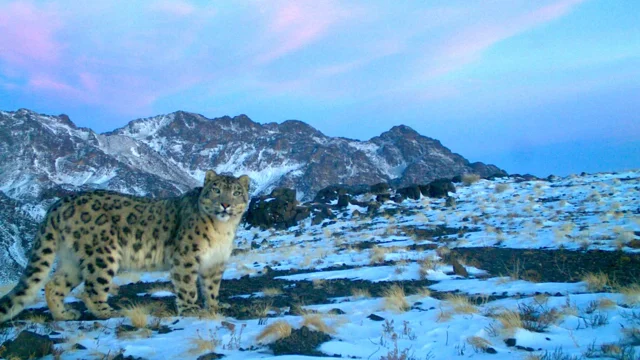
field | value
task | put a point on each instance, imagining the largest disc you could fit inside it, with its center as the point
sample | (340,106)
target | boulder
(410,192)
(322,213)
(28,345)
(279,210)
(380,188)
(441,188)
(343,200)
(333,192)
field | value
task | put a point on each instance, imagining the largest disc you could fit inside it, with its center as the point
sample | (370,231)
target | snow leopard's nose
(224,206)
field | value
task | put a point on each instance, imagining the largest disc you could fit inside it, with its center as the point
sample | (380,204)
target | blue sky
(545,86)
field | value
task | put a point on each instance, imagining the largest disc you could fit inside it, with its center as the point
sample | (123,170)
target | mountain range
(45,156)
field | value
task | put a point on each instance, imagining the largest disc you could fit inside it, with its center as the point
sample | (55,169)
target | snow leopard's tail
(37,271)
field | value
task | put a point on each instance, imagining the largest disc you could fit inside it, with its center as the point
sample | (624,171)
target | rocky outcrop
(277,210)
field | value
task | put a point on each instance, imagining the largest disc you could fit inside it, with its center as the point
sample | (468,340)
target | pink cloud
(44,82)
(298,24)
(175,8)
(467,46)
(27,35)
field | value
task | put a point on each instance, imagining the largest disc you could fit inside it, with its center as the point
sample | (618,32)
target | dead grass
(272,291)
(275,331)
(315,321)
(424,292)
(510,321)
(596,282)
(378,255)
(204,343)
(461,304)
(138,314)
(469,179)
(500,188)
(37,318)
(478,343)
(395,299)
(606,304)
(631,294)
(360,293)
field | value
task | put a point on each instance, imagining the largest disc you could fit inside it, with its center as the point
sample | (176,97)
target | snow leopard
(95,234)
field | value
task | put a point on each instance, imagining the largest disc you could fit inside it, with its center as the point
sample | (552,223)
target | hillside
(512,269)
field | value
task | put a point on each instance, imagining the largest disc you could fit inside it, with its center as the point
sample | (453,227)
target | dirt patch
(302,341)
(539,265)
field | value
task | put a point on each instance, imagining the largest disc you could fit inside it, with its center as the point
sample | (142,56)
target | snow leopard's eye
(237,193)
(216,190)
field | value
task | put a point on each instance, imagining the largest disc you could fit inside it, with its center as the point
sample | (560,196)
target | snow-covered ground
(449,316)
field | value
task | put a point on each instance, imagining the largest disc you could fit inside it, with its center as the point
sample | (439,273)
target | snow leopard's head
(223,196)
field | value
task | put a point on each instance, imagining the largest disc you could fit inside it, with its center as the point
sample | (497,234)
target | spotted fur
(95,234)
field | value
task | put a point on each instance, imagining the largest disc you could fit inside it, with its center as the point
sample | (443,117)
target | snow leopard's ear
(210,176)
(244,181)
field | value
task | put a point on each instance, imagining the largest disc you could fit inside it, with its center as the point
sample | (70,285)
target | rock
(383,197)
(303,341)
(129,357)
(510,342)
(322,213)
(441,188)
(373,208)
(333,192)
(27,345)
(336,311)
(343,201)
(356,213)
(458,269)
(375,317)
(410,192)
(380,188)
(278,210)
(490,350)
(210,356)
(450,202)
(397,198)
(288,195)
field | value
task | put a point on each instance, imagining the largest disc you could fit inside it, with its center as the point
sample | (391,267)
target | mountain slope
(45,157)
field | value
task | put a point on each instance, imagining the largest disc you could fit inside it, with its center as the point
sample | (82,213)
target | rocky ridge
(45,157)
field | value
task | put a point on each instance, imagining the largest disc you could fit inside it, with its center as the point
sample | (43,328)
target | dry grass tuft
(204,344)
(318,283)
(37,318)
(272,291)
(606,303)
(275,331)
(210,314)
(479,343)
(424,292)
(596,282)
(469,179)
(360,293)
(510,321)
(395,299)
(500,188)
(427,264)
(138,314)
(378,254)
(631,294)
(315,321)
(461,304)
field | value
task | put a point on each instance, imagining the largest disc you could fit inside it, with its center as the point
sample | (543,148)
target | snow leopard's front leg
(184,276)
(210,285)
